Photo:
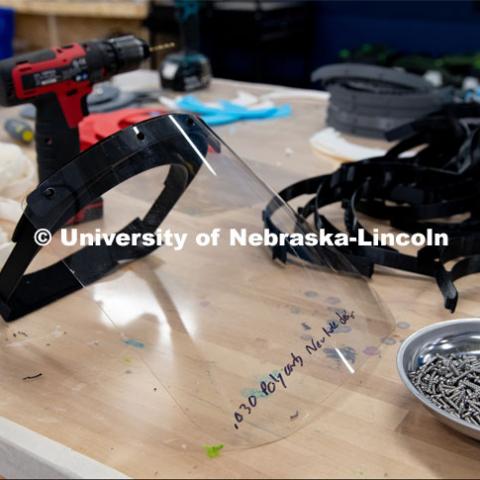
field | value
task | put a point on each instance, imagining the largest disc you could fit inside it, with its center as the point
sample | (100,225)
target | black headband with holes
(175,140)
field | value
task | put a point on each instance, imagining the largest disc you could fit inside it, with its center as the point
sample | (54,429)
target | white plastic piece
(169,70)
(14,165)
(470,83)
(330,142)
(168,103)
(434,77)
(297,93)
(262,105)
(245,99)
(19,187)
(17,174)
(249,100)
(10,210)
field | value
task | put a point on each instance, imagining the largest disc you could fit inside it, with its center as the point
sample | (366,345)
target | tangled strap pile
(412,193)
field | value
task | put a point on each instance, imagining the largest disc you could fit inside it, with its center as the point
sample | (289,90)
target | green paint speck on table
(213,450)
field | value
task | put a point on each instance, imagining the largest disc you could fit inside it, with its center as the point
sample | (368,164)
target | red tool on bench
(57,81)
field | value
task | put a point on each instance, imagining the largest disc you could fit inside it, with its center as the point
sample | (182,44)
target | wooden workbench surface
(370,427)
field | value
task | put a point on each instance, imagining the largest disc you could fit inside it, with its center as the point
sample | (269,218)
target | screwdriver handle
(19,130)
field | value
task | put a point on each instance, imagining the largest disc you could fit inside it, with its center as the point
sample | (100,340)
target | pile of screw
(452,383)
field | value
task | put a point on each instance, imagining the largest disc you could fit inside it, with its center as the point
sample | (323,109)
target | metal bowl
(460,336)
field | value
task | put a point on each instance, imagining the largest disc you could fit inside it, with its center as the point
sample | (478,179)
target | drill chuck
(115,55)
(130,51)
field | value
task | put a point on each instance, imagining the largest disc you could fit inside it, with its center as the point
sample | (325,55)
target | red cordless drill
(57,81)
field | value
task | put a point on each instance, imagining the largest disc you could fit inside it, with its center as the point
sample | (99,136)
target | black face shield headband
(176,140)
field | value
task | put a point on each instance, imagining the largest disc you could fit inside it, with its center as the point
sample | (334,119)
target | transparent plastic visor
(248,347)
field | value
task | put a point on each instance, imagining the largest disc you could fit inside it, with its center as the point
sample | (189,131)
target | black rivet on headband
(49,192)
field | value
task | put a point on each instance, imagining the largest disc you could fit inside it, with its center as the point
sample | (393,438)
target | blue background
(6,32)
(432,27)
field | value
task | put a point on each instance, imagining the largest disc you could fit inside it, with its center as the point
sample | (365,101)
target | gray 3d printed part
(358,130)
(353,119)
(353,71)
(344,96)
(369,101)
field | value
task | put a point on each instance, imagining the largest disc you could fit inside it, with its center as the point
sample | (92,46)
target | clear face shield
(180,273)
